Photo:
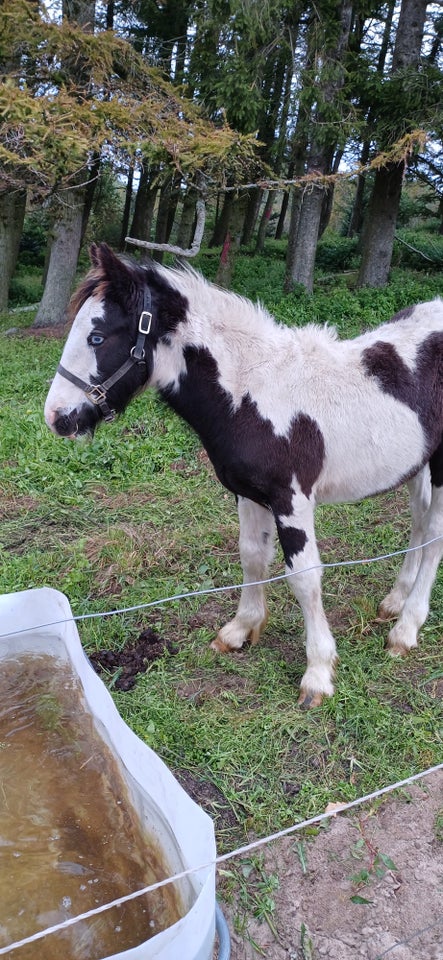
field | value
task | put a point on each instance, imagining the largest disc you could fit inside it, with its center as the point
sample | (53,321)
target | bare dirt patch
(208,796)
(42,333)
(126,664)
(370,885)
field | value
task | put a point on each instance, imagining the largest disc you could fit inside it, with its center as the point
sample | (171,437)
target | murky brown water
(69,836)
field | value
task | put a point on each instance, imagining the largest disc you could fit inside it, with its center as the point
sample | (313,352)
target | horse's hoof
(220,645)
(307,700)
(256,632)
(391,606)
(397,649)
(254,635)
(384,613)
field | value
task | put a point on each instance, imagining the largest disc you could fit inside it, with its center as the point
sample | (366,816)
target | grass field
(138,516)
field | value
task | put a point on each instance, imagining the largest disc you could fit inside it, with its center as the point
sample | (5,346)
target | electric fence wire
(412,936)
(224,588)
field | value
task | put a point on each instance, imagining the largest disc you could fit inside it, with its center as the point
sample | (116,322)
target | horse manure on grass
(133,659)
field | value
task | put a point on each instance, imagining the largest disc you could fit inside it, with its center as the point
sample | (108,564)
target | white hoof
(401,639)
(391,606)
(316,684)
(235,634)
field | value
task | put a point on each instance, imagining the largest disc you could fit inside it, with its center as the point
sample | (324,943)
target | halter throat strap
(97,393)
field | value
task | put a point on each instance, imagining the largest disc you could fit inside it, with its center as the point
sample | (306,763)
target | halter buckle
(144,324)
(96,393)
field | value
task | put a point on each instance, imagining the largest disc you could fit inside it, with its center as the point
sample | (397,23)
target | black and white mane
(289,417)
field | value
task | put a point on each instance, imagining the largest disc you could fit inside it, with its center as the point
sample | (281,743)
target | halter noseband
(98,392)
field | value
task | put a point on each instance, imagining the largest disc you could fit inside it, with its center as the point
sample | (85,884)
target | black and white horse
(289,417)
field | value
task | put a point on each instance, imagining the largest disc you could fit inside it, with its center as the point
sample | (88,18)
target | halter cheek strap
(97,392)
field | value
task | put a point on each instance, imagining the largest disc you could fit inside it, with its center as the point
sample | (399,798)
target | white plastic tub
(184,831)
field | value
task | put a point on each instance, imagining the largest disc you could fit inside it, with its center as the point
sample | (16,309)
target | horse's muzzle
(71,425)
(65,424)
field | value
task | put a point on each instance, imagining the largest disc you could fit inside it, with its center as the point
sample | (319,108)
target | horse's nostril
(66,424)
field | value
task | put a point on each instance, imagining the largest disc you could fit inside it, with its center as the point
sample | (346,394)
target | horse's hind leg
(257,536)
(420,499)
(403,635)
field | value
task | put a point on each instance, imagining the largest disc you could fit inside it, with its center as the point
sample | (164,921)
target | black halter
(98,392)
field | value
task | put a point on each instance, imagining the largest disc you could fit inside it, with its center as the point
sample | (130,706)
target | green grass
(137,516)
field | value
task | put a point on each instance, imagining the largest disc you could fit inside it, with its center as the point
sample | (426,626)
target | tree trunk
(127,208)
(69,212)
(110,11)
(232,242)
(165,217)
(143,214)
(302,249)
(381,218)
(12,214)
(221,225)
(357,215)
(284,203)
(328,197)
(305,246)
(282,147)
(174,196)
(254,202)
(378,236)
(186,226)
(90,189)
(264,221)
(282,215)
(296,197)
(65,247)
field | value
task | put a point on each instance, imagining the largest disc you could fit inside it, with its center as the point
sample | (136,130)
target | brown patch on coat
(420,389)
(249,458)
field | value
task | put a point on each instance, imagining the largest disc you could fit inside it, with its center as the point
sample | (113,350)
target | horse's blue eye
(95,339)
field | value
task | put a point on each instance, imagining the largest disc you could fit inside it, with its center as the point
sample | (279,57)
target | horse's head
(119,316)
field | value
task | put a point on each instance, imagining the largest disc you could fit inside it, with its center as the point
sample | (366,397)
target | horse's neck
(226,351)
(215,313)
(232,331)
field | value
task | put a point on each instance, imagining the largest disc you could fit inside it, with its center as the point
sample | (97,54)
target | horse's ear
(106,260)
(94,255)
(102,256)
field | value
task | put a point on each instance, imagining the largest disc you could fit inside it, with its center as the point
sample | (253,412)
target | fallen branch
(178,251)
(420,252)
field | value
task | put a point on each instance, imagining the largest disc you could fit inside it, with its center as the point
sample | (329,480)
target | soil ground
(396,914)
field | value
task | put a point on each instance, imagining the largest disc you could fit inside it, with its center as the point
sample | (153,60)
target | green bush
(424,251)
(335,253)
(352,311)
(26,286)
(34,239)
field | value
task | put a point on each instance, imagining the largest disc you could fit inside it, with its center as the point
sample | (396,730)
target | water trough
(180,828)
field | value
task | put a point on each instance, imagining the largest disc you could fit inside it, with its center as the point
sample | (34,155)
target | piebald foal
(289,417)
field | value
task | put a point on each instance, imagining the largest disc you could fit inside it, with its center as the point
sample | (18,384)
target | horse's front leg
(256,543)
(303,565)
